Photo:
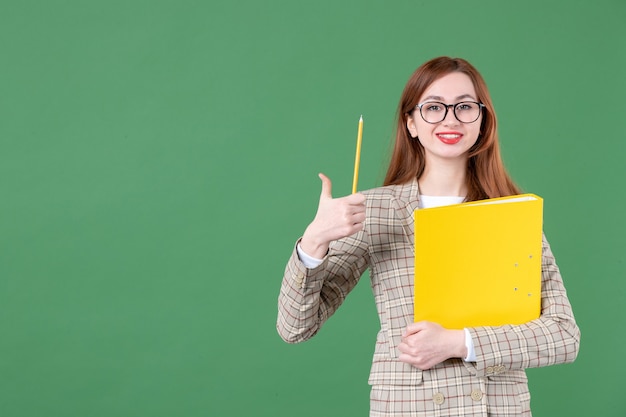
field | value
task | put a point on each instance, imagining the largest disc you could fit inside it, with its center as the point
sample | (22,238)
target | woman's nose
(450,119)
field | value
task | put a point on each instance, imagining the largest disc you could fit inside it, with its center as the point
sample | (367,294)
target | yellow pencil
(357,158)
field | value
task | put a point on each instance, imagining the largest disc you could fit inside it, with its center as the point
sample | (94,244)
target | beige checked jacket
(495,384)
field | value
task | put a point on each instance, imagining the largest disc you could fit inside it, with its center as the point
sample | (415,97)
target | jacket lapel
(407,202)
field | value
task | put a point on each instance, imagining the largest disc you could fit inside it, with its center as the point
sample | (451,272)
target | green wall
(158,160)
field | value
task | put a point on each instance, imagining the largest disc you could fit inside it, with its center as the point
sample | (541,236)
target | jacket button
(438,398)
(476,395)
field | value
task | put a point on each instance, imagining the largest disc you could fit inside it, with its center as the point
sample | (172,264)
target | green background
(158,160)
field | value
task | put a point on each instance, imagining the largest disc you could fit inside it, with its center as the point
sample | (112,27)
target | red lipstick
(449,138)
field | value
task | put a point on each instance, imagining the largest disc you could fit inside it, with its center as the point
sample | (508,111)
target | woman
(446,152)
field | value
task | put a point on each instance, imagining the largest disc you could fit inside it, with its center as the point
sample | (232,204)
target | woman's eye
(433,107)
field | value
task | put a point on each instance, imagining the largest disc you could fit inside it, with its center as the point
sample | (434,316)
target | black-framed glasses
(436,111)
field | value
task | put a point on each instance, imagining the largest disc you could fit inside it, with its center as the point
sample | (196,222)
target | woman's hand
(336,218)
(426,344)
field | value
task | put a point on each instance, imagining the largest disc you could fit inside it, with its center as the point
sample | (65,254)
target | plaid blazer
(495,384)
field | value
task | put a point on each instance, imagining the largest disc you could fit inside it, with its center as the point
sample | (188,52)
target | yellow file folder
(479,263)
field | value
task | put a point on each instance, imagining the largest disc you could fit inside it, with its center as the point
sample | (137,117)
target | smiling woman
(437,127)
(440,157)
(458,81)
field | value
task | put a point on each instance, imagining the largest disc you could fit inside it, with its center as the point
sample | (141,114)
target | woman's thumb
(327,186)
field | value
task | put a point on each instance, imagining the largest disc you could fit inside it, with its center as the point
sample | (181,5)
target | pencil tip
(361,119)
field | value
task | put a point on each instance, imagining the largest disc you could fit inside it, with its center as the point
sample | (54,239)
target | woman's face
(449,139)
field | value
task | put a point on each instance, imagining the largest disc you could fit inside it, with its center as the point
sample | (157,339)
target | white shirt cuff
(469,344)
(308,261)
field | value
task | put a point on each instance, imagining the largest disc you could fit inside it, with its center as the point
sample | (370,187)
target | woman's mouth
(449,138)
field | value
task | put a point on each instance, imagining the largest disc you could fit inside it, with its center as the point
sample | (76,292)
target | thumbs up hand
(335,218)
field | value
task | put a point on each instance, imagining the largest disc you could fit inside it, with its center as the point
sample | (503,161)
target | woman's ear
(410,125)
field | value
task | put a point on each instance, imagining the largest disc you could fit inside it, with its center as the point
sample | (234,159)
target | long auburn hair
(486,174)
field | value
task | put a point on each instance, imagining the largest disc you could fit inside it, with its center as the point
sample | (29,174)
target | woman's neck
(444,180)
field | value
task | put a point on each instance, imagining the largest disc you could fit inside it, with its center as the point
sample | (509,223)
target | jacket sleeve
(308,297)
(551,339)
